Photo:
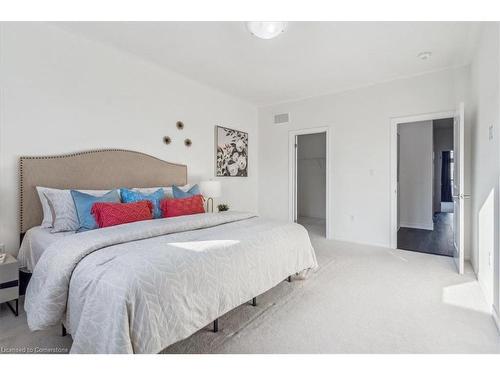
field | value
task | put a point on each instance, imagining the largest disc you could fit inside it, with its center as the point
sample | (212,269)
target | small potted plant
(223,207)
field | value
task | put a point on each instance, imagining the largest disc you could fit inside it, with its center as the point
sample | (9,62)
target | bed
(142,286)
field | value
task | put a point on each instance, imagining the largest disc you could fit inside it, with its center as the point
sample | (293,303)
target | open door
(295,179)
(458,187)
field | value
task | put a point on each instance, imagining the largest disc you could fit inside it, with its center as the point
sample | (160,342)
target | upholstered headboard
(89,170)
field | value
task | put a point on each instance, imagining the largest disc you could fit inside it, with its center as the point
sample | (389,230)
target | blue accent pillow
(179,193)
(83,206)
(130,196)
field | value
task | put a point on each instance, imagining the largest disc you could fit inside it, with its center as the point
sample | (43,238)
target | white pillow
(61,215)
(63,211)
(47,213)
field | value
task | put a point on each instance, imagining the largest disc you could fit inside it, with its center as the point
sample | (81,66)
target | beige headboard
(98,169)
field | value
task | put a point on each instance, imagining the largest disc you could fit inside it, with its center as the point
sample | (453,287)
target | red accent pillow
(109,214)
(183,206)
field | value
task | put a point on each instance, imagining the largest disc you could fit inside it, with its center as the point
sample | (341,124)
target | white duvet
(140,287)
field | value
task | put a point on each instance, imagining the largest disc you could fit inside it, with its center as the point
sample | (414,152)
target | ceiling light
(266,29)
(426,55)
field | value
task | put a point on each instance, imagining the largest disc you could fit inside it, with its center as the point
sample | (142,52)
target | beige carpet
(363,299)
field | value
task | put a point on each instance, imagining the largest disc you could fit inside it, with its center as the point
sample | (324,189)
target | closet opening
(311,181)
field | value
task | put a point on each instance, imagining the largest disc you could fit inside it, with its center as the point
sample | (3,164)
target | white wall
(443,141)
(311,176)
(360,125)
(486,160)
(62,93)
(415,175)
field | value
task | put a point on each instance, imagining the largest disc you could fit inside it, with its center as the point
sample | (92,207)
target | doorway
(458,187)
(425,181)
(309,180)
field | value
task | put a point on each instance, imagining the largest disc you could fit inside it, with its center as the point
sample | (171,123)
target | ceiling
(309,59)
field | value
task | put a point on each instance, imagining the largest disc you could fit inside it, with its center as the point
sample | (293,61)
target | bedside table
(9,282)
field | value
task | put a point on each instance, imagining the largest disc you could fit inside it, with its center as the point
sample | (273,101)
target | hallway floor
(438,241)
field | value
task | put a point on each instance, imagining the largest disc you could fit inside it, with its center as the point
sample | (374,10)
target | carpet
(363,299)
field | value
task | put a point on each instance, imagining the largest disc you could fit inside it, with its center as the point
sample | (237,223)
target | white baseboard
(496,318)
(426,226)
(375,244)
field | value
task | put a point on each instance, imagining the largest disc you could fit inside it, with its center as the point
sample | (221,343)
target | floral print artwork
(232,153)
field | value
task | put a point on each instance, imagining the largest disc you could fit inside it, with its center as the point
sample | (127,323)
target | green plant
(223,207)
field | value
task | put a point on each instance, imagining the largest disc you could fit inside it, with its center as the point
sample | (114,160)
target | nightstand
(9,282)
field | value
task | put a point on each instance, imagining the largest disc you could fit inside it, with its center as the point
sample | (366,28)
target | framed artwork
(232,152)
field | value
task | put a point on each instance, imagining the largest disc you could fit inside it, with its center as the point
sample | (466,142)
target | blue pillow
(130,196)
(179,193)
(83,205)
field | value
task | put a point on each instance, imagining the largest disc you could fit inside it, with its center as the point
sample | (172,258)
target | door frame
(394,163)
(292,173)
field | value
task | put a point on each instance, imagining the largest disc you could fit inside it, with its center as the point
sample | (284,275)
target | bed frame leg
(254,301)
(216,325)
(63,333)
(289,279)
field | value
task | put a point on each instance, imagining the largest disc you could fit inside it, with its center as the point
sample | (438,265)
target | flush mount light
(426,55)
(266,29)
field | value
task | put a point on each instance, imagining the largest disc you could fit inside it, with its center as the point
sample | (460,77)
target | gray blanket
(139,287)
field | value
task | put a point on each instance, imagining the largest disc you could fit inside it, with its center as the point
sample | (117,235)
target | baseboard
(484,289)
(474,268)
(426,226)
(496,318)
(374,244)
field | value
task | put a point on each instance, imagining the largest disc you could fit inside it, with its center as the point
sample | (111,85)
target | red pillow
(183,206)
(109,214)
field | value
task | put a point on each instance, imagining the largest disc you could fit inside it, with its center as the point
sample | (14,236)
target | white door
(458,187)
(295,179)
(397,183)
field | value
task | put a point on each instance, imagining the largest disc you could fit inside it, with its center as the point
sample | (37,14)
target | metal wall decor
(179,125)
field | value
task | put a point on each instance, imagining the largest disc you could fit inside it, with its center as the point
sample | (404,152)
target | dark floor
(438,241)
